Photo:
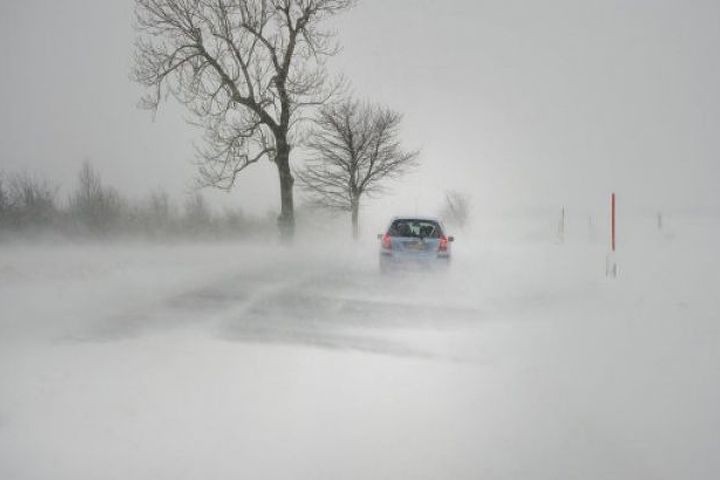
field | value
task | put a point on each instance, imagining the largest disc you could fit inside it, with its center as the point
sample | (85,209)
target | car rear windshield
(408,227)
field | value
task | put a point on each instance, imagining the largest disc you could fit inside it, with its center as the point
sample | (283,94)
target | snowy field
(219,361)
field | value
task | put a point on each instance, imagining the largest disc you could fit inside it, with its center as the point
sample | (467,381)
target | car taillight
(387,242)
(443,244)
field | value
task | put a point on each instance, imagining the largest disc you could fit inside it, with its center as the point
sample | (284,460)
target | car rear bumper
(390,259)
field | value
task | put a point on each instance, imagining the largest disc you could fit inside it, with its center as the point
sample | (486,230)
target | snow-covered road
(242,361)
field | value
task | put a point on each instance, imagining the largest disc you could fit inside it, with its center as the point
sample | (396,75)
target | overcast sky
(519,103)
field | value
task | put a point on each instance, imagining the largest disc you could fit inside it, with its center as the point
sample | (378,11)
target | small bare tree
(160,207)
(198,218)
(31,201)
(456,208)
(355,150)
(245,69)
(4,201)
(157,213)
(93,204)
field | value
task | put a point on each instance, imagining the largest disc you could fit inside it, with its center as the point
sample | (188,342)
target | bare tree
(96,206)
(355,150)
(198,217)
(160,207)
(157,212)
(456,208)
(30,201)
(4,200)
(245,69)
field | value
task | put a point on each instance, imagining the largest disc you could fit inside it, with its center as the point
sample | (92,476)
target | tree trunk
(355,210)
(286,220)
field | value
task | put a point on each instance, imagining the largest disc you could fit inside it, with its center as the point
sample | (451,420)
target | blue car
(414,241)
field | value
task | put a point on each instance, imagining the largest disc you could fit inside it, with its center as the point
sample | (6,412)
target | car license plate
(416,246)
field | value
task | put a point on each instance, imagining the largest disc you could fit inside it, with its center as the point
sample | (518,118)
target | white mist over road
(238,360)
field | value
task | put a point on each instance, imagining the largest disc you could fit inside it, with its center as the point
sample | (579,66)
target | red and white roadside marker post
(611,268)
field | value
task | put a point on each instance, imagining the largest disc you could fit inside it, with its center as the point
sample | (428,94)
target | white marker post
(611,268)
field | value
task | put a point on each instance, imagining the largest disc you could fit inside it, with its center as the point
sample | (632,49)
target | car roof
(416,217)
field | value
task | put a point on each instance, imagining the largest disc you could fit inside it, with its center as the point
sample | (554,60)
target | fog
(243,359)
(173,334)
